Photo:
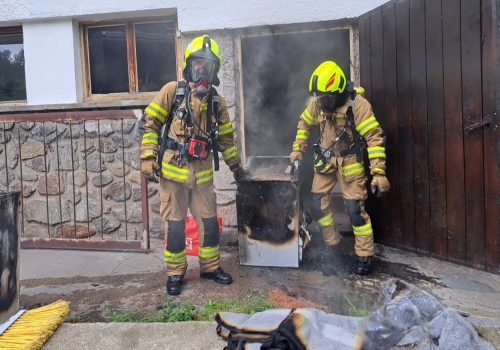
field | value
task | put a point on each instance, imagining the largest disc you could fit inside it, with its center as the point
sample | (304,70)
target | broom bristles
(32,329)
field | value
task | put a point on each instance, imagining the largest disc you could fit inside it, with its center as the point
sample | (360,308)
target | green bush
(172,312)
(249,305)
(123,316)
(177,312)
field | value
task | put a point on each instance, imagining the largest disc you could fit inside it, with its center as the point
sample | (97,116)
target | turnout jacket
(195,171)
(336,124)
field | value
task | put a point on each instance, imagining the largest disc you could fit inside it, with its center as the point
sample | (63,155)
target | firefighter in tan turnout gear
(344,117)
(196,125)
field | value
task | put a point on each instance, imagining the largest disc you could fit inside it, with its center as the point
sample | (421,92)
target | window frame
(7,31)
(133,80)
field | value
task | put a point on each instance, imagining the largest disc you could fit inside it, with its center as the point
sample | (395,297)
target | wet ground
(338,290)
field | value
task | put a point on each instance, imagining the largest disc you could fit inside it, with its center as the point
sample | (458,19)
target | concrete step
(147,336)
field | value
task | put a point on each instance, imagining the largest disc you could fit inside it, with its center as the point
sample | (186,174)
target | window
(12,81)
(130,57)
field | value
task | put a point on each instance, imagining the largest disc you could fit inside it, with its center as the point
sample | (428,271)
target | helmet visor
(203,68)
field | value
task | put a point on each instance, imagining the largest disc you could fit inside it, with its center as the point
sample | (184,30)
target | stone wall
(86,171)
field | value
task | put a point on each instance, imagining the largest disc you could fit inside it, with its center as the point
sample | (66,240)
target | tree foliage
(12,81)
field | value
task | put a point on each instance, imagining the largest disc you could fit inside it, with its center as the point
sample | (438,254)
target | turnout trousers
(175,199)
(352,181)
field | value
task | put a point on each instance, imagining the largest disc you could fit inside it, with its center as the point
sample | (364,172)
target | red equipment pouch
(198,147)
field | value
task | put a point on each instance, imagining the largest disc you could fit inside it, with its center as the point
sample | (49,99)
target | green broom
(30,329)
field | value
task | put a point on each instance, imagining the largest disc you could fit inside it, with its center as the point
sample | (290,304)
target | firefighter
(344,118)
(197,122)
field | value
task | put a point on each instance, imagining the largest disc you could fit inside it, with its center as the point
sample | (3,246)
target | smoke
(276,71)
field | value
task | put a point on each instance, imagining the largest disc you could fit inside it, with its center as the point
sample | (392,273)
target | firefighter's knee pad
(353,208)
(211,232)
(316,206)
(176,236)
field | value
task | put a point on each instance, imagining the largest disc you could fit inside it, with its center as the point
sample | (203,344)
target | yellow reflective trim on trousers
(225,128)
(174,172)
(174,258)
(367,125)
(352,169)
(204,176)
(296,147)
(302,134)
(365,230)
(208,252)
(376,152)
(326,220)
(231,152)
(308,118)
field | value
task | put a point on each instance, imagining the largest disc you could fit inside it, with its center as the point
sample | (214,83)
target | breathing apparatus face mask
(203,68)
(329,102)
(203,72)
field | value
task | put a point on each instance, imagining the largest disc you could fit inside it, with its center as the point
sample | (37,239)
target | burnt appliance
(9,256)
(269,214)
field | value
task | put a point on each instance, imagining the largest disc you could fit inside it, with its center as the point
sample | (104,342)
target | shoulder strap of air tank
(213,130)
(358,142)
(180,94)
(213,108)
(350,112)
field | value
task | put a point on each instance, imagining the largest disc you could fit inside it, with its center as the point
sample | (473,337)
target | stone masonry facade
(86,171)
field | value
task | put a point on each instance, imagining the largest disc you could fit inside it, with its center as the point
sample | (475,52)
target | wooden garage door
(430,68)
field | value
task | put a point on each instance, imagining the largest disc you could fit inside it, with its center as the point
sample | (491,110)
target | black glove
(239,174)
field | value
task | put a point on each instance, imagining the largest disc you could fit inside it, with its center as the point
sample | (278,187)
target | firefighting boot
(174,284)
(218,276)
(364,265)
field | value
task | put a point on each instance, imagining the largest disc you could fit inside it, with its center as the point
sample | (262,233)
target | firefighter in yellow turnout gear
(198,126)
(344,117)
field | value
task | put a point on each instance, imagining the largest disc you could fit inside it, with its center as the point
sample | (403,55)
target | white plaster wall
(51,32)
(77,60)
(229,14)
(194,15)
(50,64)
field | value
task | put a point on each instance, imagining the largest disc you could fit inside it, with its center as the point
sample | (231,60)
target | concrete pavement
(99,281)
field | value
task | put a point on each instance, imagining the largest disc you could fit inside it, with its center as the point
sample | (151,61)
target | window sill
(94,102)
